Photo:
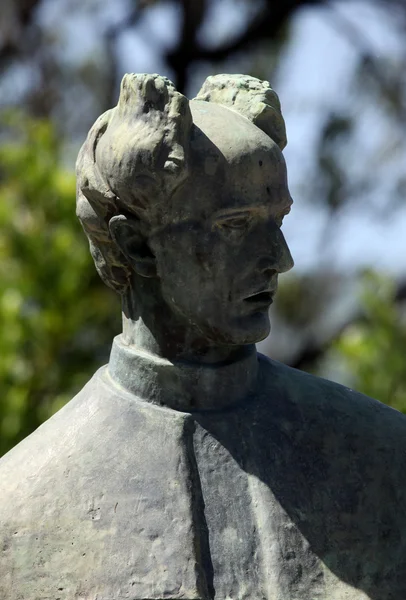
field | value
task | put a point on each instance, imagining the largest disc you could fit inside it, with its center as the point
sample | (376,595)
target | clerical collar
(182,385)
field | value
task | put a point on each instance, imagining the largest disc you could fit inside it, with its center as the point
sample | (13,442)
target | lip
(260,298)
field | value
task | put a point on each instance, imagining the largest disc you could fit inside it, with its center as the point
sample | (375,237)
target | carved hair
(252,98)
(136,154)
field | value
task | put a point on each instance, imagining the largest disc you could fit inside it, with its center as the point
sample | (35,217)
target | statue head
(183,202)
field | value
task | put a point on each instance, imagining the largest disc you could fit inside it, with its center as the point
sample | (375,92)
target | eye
(240,222)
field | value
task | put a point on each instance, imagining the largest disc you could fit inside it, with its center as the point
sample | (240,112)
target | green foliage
(57,318)
(374,349)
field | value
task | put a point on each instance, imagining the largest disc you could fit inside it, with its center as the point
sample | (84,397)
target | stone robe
(295,491)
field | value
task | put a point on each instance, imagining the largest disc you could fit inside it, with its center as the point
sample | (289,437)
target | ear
(126,233)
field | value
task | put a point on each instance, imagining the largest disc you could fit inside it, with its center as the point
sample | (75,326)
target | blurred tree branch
(266,25)
(390,87)
(20,37)
(312,351)
(17,17)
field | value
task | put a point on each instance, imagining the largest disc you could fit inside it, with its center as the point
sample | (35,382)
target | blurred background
(340,71)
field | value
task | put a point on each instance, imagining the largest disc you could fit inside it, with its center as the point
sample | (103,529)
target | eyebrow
(235,212)
(243,210)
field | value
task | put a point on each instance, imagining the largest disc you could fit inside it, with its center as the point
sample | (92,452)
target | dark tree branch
(110,36)
(17,20)
(180,59)
(266,25)
(390,88)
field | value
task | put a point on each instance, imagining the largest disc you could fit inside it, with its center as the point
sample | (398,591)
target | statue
(192,467)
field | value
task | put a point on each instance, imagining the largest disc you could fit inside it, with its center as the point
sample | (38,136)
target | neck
(158,361)
(149,326)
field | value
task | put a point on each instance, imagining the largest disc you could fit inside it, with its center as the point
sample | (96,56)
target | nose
(277,257)
(285,261)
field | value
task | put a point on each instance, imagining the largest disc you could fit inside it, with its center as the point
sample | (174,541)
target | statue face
(219,249)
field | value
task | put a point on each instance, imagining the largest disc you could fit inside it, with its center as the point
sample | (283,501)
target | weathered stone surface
(190,467)
(295,492)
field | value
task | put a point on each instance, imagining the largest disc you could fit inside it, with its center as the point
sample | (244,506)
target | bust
(191,467)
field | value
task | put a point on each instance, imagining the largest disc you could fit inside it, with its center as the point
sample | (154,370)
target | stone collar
(182,385)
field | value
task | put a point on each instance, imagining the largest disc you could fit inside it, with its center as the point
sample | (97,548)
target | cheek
(193,271)
(179,268)
(214,259)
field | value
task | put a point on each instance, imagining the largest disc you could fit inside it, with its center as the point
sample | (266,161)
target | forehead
(233,164)
(258,175)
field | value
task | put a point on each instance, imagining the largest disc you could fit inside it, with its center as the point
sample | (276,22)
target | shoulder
(102,422)
(78,429)
(339,459)
(54,437)
(332,404)
(338,436)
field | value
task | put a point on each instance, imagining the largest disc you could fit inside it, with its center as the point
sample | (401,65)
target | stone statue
(192,467)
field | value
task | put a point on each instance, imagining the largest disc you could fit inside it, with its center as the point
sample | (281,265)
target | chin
(247,330)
